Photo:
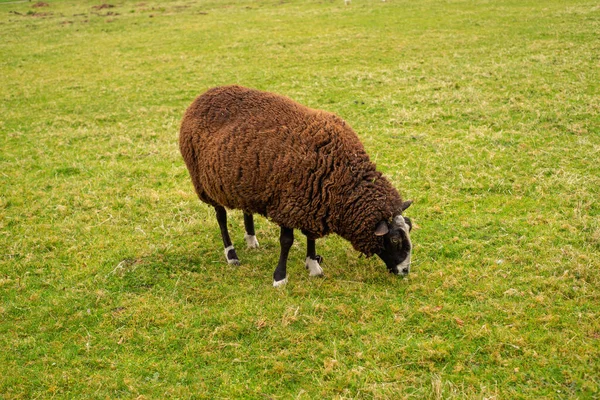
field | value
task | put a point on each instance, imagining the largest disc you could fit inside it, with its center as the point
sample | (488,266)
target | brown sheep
(302,168)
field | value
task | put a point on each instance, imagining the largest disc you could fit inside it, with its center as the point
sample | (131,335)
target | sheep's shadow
(209,265)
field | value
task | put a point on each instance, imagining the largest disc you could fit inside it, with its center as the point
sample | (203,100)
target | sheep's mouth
(402,272)
(401,269)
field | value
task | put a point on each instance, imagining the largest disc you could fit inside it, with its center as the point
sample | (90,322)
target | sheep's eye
(396,240)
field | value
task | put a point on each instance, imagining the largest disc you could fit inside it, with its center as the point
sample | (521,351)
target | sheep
(302,168)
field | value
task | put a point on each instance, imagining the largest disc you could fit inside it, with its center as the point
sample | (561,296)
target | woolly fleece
(302,168)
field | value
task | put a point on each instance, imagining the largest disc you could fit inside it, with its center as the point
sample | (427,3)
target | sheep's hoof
(251,241)
(314,269)
(231,256)
(280,283)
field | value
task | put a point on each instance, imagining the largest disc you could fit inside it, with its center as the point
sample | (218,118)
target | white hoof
(251,241)
(280,283)
(231,261)
(314,269)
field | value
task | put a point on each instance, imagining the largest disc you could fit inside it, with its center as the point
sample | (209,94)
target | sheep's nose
(405,270)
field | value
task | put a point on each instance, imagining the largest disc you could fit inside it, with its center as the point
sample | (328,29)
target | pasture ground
(112,276)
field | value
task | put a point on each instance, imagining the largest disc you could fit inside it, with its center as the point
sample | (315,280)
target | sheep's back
(235,105)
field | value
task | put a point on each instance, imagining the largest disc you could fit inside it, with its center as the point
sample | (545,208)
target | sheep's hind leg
(286,239)
(230,254)
(250,235)
(313,260)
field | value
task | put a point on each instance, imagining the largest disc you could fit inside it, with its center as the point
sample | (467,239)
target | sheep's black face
(396,244)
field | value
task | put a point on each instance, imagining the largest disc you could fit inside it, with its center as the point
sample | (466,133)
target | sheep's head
(396,242)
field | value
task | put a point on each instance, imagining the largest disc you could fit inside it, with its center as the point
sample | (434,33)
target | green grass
(112,278)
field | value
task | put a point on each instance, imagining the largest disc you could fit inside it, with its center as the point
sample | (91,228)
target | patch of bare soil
(103,6)
(40,4)
(32,14)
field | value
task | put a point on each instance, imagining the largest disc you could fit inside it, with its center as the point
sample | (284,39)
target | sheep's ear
(406,204)
(382,229)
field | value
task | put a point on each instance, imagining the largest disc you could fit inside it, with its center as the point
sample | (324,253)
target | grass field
(112,277)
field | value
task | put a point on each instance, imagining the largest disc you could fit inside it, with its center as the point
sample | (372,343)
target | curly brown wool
(302,168)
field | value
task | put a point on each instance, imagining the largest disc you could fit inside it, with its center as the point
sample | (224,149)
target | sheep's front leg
(230,254)
(286,239)
(250,235)
(313,260)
